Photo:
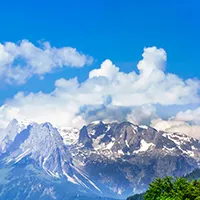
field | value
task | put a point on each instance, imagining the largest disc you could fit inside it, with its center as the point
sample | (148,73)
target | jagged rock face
(43,144)
(132,139)
(8,135)
(84,138)
(106,159)
(125,157)
(70,135)
(41,148)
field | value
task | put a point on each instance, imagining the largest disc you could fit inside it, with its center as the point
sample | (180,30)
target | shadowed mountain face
(102,160)
(125,158)
(37,160)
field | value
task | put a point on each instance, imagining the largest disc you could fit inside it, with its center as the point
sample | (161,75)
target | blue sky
(108,29)
(118,30)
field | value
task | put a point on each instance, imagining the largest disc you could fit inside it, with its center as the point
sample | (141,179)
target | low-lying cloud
(109,94)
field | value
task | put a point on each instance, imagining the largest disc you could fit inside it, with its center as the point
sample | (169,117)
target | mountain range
(99,161)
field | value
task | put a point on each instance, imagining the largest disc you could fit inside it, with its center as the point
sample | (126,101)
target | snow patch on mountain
(144,146)
(69,135)
(8,134)
(43,144)
(143,126)
(178,138)
(101,155)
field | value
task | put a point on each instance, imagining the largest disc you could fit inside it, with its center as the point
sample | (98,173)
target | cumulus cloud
(150,86)
(187,122)
(108,93)
(153,59)
(190,116)
(173,125)
(107,70)
(20,61)
(40,107)
(142,114)
(108,113)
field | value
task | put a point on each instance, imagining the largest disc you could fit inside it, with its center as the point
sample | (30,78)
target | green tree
(173,189)
(158,188)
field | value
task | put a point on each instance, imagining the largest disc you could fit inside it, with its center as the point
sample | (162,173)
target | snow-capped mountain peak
(8,134)
(43,144)
(70,135)
(127,138)
(108,157)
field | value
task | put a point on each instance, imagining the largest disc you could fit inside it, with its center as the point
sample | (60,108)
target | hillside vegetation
(171,189)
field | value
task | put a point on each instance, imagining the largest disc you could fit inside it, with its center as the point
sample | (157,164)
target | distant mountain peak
(106,157)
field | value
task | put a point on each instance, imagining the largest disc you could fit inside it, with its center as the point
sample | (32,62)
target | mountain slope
(103,159)
(194,175)
(125,157)
(8,135)
(41,147)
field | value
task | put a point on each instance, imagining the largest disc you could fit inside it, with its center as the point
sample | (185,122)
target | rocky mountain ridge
(104,159)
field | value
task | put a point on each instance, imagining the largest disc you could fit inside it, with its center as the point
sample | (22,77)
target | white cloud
(142,114)
(19,62)
(173,125)
(153,59)
(108,93)
(187,122)
(40,107)
(191,116)
(107,70)
(150,86)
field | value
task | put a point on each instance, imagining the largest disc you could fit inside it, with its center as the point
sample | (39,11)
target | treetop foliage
(171,189)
